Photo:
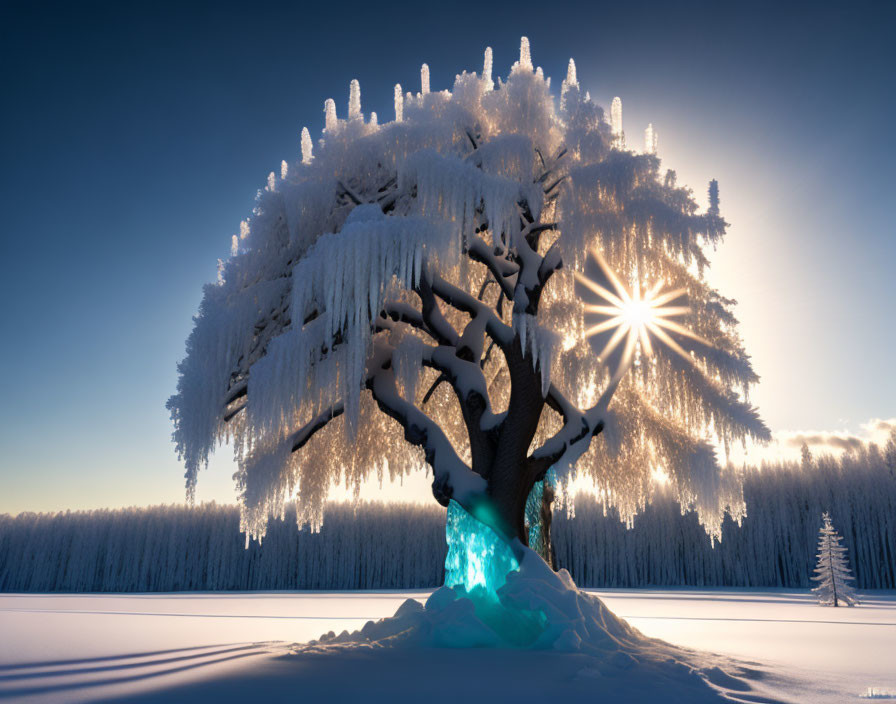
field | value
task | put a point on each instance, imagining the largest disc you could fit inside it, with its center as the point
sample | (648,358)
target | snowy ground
(235,647)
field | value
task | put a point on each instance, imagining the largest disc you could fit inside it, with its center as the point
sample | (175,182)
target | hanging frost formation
(404,295)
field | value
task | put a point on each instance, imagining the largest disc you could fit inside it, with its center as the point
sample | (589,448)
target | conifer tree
(890,452)
(832,571)
(805,457)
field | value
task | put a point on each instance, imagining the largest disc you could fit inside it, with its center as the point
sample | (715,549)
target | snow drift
(539,610)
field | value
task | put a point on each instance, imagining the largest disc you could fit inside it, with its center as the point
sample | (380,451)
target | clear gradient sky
(134,137)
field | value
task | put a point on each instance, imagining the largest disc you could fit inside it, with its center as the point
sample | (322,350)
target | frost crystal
(571,83)
(399,103)
(424,79)
(329,115)
(650,140)
(616,120)
(354,100)
(571,79)
(487,69)
(306,146)
(525,54)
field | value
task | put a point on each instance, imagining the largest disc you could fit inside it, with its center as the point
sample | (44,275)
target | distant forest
(377,546)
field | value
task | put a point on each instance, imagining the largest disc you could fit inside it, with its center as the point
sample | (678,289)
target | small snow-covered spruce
(832,571)
(806,457)
(890,452)
(409,297)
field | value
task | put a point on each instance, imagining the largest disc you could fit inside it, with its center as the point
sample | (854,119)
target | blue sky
(134,137)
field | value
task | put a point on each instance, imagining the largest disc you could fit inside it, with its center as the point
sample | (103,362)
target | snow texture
(229,647)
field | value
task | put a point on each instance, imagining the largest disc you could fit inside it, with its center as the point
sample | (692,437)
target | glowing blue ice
(477,566)
(477,556)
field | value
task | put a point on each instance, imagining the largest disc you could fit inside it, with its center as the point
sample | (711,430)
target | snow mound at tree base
(539,610)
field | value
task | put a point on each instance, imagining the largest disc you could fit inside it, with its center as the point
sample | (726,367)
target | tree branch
(500,268)
(573,439)
(307,431)
(452,478)
(499,331)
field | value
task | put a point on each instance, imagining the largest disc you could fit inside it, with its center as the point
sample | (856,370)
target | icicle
(424,79)
(487,69)
(306,146)
(354,100)
(525,55)
(373,119)
(650,140)
(284,170)
(329,115)
(399,103)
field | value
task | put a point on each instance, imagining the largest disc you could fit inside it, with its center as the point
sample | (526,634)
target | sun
(638,318)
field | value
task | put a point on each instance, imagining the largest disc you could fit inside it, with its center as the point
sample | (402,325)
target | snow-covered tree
(890,452)
(415,293)
(832,571)
(805,457)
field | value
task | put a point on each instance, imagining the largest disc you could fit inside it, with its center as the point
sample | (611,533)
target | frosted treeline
(403,545)
(178,548)
(775,547)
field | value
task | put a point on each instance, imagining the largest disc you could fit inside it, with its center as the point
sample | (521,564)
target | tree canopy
(417,293)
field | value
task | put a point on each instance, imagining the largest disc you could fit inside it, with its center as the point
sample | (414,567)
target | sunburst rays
(624,319)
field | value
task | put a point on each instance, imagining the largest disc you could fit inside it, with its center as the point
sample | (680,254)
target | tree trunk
(545,516)
(509,504)
(508,515)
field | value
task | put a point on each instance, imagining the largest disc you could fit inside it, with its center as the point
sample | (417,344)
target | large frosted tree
(467,288)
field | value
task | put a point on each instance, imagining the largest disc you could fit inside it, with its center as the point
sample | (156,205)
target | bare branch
(355,198)
(307,431)
(432,389)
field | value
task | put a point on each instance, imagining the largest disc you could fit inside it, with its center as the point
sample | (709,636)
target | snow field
(231,647)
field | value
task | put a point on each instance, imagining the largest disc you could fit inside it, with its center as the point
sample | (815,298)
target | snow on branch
(347,276)
(455,191)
